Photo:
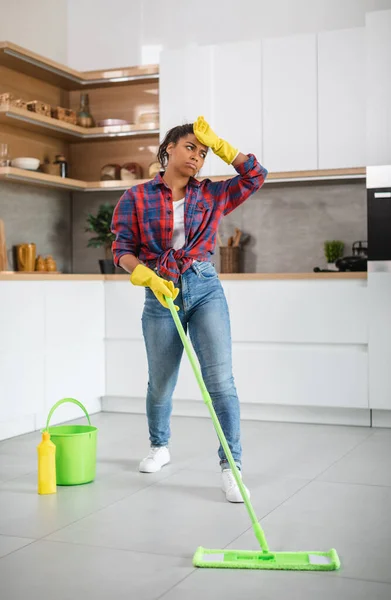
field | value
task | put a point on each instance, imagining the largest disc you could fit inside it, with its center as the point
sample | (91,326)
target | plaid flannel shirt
(143,218)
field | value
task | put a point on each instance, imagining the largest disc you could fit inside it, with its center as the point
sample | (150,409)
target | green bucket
(75,449)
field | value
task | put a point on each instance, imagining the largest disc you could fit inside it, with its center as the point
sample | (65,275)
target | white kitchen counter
(301,348)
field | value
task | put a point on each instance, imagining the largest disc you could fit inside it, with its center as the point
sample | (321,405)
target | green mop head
(245,559)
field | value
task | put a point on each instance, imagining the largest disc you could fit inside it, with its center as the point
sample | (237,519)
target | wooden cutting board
(3,248)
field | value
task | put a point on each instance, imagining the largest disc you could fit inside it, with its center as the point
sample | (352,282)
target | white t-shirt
(178,235)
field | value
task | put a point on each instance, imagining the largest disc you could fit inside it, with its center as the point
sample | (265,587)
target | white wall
(120,29)
(104,34)
(40,26)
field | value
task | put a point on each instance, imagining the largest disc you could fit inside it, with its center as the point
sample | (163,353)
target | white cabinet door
(74,346)
(341,98)
(22,335)
(378,87)
(379,288)
(185,89)
(237,103)
(290,103)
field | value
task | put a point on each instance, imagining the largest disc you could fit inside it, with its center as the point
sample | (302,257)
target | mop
(247,559)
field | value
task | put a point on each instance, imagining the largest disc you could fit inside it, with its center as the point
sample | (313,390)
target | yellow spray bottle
(46,465)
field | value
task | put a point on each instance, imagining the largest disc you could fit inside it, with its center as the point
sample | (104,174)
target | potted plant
(100,225)
(333,249)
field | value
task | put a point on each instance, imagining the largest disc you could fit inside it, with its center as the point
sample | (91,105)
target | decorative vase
(84,116)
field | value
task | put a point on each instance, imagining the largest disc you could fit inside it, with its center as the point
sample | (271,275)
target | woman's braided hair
(172,136)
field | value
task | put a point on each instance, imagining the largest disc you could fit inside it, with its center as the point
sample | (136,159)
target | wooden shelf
(52,181)
(111,186)
(24,119)
(41,179)
(27,62)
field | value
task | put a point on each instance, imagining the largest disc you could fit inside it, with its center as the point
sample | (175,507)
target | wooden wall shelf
(40,179)
(51,181)
(24,61)
(24,119)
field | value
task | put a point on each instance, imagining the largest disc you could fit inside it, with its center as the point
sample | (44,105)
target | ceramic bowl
(31,164)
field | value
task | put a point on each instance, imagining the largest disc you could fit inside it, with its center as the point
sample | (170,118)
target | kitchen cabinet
(378,87)
(289,69)
(379,284)
(285,329)
(74,346)
(341,98)
(237,99)
(321,353)
(51,347)
(186,89)
(225,88)
(126,359)
(22,342)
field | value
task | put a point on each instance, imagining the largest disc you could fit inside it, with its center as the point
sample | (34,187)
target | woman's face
(187,156)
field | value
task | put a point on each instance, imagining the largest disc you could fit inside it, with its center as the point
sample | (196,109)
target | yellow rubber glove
(205,134)
(145,277)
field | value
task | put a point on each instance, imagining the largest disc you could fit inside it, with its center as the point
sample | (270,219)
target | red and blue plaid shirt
(143,218)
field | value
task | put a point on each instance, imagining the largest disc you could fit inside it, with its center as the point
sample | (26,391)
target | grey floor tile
(176,515)
(22,444)
(66,572)
(124,453)
(275,450)
(353,519)
(266,585)
(10,544)
(25,513)
(15,465)
(369,463)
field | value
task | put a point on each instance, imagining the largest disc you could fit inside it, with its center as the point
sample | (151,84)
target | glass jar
(4,156)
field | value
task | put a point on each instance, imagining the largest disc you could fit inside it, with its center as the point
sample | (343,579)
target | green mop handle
(208,401)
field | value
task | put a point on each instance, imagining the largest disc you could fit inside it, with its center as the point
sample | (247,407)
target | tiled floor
(132,536)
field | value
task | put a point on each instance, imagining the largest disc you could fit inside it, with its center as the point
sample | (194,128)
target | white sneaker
(158,457)
(230,487)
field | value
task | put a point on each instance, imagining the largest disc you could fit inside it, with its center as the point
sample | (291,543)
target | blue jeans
(204,313)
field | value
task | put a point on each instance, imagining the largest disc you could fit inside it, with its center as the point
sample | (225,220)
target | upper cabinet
(290,103)
(224,87)
(185,88)
(341,98)
(378,87)
(237,99)
(299,103)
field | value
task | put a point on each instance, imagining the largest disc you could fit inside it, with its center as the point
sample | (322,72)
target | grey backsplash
(38,215)
(286,223)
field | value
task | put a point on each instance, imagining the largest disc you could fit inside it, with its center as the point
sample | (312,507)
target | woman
(165,237)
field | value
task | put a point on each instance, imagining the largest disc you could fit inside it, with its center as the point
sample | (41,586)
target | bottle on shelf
(63,165)
(84,116)
(46,465)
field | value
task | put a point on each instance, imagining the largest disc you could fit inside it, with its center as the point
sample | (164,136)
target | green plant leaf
(333,249)
(100,224)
